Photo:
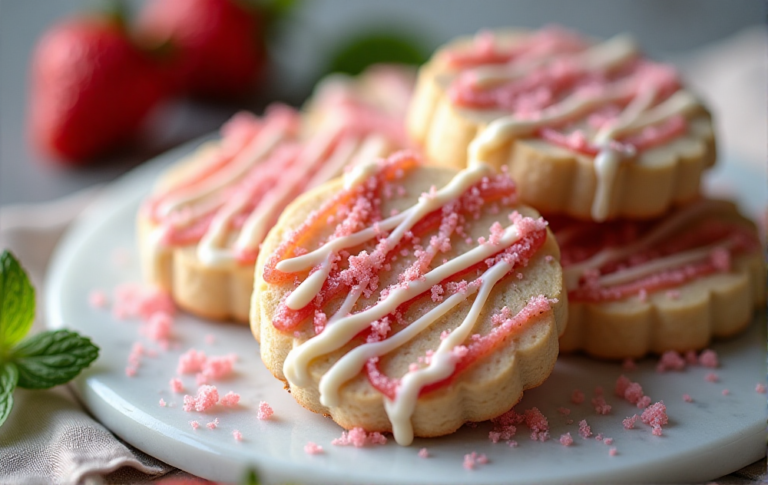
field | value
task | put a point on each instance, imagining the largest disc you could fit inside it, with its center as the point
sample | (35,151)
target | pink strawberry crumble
(194,424)
(537,423)
(613,452)
(760,388)
(629,365)
(601,407)
(687,398)
(158,327)
(423,453)
(265,411)
(584,429)
(237,435)
(312,449)
(655,416)
(629,423)
(577,397)
(190,362)
(566,439)
(711,377)
(207,397)
(473,459)
(230,399)
(726,392)
(176,385)
(213,424)
(162,403)
(670,360)
(358,438)
(708,358)
(97,299)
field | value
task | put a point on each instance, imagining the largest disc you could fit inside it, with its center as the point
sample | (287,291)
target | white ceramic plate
(713,436)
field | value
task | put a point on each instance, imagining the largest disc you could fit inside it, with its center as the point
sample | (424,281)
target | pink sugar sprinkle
(564,411)
(613,452)
(601,407)
(207,397)
(711,377)
(629,365)
(358,438)
(656,417)
(265,411)
(217,368)
(130,371)
(176,385)
(708,358)
(158,326)
(162,403)
(97,299)
(194,424)
(726,392)
(473,459)
(191,362)
(577,397)
(494,436)
(237,435)
(584,429)
(566,439)
(230,399)
(691,357)
(132,300)
(513,444)
(312,449)
(644,402)
(608,441)
(537,423)
(423,453)
(670,360)
(213,424)
(629,423)
(760,388)
(599,437)
(687,398)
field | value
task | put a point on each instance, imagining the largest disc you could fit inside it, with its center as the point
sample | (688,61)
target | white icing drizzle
(342,326)
(651,267)
(638,114)
(663,230)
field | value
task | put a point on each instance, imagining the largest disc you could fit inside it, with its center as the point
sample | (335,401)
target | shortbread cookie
(409,298)
(670,284)
(591,130)
(201,228)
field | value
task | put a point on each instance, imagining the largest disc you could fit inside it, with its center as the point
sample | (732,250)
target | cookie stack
(421,291)
(611,148)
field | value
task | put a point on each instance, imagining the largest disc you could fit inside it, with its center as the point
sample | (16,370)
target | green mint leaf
(8,378)
(52,358)
(17,302)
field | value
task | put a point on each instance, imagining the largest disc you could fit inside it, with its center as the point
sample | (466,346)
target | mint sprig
(17,301)
(39,362)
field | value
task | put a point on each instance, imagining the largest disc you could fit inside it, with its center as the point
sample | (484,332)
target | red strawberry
(91,88)
(219,44)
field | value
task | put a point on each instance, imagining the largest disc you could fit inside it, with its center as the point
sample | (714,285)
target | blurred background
(313,37)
